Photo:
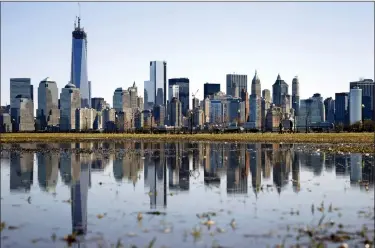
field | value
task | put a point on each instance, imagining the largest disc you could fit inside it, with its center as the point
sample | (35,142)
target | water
(260,194)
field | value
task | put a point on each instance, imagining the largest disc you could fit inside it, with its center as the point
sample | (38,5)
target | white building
(355,105)
(85,118)
(173,91)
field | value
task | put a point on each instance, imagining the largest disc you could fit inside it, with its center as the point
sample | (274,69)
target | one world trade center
(78,75)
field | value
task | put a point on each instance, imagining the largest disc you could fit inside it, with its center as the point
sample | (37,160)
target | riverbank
(336,142)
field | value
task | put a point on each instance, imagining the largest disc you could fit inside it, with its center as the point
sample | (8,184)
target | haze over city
(326,44)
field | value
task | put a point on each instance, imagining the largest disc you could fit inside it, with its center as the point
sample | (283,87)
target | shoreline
(329,142)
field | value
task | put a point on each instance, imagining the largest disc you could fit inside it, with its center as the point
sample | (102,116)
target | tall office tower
(245,99)
(173,91)
(133,92)
(318,108)
(19,86)
(210,89)
(266,104)
(255,85)
(183,92)
(24,114)
(295,95)
(342,108)
(256,101)
(175,114)
(279,88)
(235,83)
(48,113)
(355,106)
(118,100)
(70,101)
(329,107)
(367,87)
(159,115)
(78,75)
(97,103)
(155,90)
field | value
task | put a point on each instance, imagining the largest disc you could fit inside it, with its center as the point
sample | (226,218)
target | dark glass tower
(78,75)
(183,93)
(210,89)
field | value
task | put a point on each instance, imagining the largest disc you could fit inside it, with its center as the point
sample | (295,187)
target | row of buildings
(169,102)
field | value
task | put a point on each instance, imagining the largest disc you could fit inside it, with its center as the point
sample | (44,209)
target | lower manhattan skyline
(327,45)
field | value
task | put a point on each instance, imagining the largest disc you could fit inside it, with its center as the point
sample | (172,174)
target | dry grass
(317,138)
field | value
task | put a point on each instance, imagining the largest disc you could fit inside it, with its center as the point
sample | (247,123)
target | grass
(316,138)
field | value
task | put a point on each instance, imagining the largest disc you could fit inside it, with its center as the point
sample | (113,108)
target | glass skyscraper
(183,92)
(78,75)
(155,90)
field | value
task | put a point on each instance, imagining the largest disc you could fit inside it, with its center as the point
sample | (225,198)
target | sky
(327,45)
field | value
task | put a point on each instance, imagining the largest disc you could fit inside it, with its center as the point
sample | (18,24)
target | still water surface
(257,193)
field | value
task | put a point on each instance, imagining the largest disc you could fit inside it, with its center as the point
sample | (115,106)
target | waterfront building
(246,103)
(24,114)
(175,113)
(108,118)
(5,123)
(155,90)
(279,89)
(98,103)
(85,118)
(329,106)
(19,86)
(140,103)
(355,105)
(342,108)
(256,102)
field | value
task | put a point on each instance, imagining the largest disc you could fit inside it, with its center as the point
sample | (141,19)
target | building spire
(79,15)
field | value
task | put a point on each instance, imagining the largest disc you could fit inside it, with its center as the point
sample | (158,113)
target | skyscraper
(155,90)
(183,92)
(329,106)
(295,95)
(355,105)
(78,75)
(235,83)
(19,86)
(210,89)
(279,88)
(175,113)
(133,93)
(48,113)
(256,102)
(69,101)
(342,108)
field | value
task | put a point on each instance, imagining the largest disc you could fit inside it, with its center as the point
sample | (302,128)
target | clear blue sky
(326,44)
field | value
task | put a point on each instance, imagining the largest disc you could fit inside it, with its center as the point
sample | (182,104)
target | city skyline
(208,58)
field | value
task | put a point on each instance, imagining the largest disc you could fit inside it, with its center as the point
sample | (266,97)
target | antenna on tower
(79,15)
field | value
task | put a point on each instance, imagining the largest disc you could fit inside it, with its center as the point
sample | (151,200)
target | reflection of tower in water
(178,167)
(155,174)
(48,170)
(355,168)
(210,164)
(236,171)
(296,172)
(21,171)
(280,170)
(255,167)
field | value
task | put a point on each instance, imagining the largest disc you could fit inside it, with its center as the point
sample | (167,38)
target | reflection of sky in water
(255,182)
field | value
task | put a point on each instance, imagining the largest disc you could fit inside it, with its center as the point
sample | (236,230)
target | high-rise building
(89,92)
(295,95)
(266,104)
(195,103)
(210,89)
(20,86)
(256,102)
(133,93)
(342,108)
(155,90)
(140,103)
(367,87)
(159,115)
(175,113)
(183,92)
(355,105)
(279,88)
(78,75)
(119,100)
(245,99)
(24,114)
(329,106)
(47,112)
(70,100)
(235,83)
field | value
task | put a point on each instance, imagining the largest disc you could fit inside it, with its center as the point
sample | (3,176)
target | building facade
(367,87)
(355,105)
(295,95)
(329,107)
(175,113)
(342,108)
(24,120)
(155,90)
(279,89)
(19,86)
